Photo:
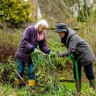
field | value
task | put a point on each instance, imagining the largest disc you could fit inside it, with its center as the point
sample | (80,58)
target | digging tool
(71,57)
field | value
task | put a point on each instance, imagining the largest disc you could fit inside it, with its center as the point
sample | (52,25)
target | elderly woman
(32,36)
(80,49)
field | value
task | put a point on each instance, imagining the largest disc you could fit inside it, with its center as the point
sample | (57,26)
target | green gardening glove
(52,54)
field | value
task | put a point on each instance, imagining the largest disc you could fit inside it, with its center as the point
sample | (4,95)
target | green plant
(46,72)
(7,74)
(16,11)
(89,92)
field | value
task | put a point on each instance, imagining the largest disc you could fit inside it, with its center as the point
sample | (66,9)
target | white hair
(43,23)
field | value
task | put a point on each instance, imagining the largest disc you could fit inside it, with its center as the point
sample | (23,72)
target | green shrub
(16,11)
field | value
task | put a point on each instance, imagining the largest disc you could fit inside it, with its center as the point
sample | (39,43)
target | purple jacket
(28,42)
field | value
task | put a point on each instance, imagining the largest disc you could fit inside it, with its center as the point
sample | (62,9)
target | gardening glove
(52,54)
(37,51)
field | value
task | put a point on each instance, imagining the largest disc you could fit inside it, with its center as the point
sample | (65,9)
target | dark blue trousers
(88,71)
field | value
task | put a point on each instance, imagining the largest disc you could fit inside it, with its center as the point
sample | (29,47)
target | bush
(16,11)
(8,45)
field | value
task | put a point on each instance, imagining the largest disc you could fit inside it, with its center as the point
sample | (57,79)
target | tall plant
(84,13)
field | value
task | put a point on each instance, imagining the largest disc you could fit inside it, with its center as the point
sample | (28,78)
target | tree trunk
(35,3)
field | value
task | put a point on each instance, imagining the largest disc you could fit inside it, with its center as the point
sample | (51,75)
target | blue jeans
(88,71)
(21,67)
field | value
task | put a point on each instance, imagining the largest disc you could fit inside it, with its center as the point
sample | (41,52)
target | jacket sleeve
(43,46)
(71,47)
(25,40)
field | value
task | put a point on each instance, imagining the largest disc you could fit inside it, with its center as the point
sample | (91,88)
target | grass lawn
(73,87)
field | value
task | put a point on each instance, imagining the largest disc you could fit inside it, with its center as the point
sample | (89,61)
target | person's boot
(19,83)
(92,83)
(31,83)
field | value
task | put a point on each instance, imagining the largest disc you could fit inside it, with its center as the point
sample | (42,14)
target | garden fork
(71,57)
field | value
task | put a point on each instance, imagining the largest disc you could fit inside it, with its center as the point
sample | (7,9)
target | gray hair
(43,23)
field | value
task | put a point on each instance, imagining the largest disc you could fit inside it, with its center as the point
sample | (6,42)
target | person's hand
(52,54)
(37,51)
(47,56)
(59,54)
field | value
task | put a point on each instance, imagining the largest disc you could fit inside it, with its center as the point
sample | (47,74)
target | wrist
(48,52)
(32,49)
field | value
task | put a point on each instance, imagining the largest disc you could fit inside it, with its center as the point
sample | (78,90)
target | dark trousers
(21,67)
(88,71)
